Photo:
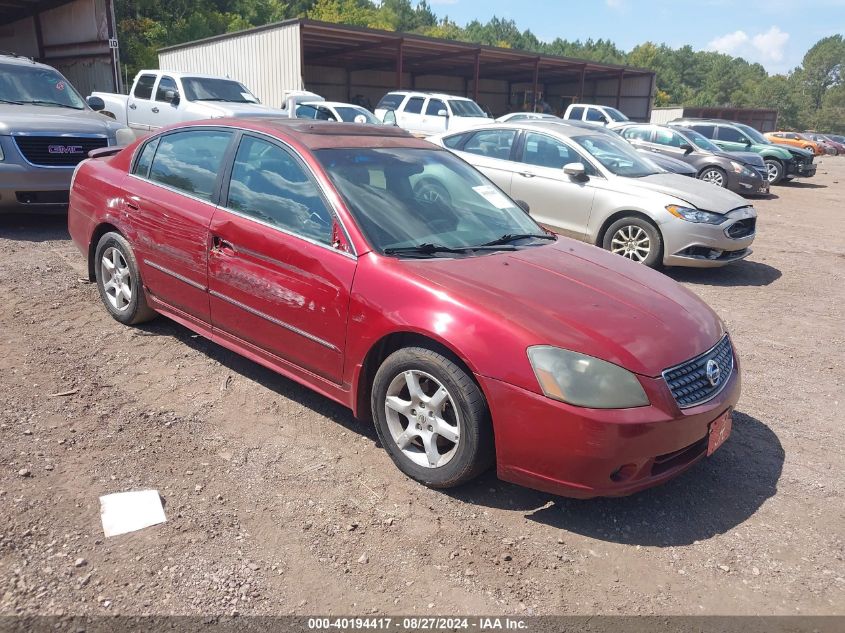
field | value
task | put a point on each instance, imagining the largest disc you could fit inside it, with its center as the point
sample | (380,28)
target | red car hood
(584,299)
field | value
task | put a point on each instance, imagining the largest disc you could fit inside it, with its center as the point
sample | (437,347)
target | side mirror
(96,103)
(575,171)
(390,118)
(745,141)
(686,147)
(522,204)
(442,113)
(172,96)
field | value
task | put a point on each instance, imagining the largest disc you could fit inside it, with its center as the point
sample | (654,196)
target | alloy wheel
(116,278)
(772,171)
(632,242)
(422,418)
(713,176)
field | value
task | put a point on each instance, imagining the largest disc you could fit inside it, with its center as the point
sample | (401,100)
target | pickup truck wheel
(431,418)
(774,169)
(119,280)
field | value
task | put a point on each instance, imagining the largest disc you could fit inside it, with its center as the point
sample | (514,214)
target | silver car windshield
(616,155)
(406,197)
(32,85)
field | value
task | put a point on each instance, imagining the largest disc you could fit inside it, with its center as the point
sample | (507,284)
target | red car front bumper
(576,452)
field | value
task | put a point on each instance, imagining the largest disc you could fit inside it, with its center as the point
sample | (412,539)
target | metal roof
(358,48)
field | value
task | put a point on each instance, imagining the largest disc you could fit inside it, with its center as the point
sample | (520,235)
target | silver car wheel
(116,279)
(713,176)
(632,242)
(422,418)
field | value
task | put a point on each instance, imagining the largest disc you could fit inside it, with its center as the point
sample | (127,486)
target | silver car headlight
(585,381)
(695,215)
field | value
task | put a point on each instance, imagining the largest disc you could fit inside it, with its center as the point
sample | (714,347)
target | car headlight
(695,215)
(737,167)
(2,155)
(585,381)
(124,136)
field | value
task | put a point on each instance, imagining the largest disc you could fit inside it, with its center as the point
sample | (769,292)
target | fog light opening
(623,473)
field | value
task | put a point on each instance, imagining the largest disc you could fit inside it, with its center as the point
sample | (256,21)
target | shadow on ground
(38,227)
(742,273)
(799,184)
(715,496)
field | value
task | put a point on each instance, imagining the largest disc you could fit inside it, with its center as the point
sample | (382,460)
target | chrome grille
(689,382)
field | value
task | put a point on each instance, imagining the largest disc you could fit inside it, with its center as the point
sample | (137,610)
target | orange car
(794,139)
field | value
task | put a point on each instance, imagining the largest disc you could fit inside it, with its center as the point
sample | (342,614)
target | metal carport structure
(344,62)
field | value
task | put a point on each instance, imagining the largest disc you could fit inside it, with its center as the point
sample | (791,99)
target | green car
(782,162)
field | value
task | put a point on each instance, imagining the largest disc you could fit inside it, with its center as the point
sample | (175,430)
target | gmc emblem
(65,149)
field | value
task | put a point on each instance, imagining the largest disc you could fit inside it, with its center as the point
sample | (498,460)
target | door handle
(134,203)
(219,245)
(132,106)
(155,110)
(526,174)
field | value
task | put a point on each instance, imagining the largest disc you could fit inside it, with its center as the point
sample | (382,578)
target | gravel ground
(279,502)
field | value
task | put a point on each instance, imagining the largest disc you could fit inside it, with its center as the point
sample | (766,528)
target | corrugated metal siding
(661,116)
(267,62)
(87,74)
(19,37)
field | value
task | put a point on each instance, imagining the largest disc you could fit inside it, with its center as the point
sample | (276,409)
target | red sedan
(390,276)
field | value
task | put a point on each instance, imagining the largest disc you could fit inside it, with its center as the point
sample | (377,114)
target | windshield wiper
(51,103)
(430,249)
(507,238)
(10,101)
(226,100)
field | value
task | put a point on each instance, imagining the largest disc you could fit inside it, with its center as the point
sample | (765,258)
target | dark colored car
(742,172)
(672,165)
(837,147)
(467,332)
(782,162)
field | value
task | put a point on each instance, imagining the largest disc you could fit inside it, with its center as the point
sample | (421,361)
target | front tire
(774,170)
(636,239)
(119,280)
(431,418)
(714,176)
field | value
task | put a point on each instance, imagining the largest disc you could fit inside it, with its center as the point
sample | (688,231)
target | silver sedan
(592,185)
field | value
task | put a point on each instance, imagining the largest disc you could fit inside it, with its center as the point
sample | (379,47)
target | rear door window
(144,87)
(637,133)
(190,161)
(414,105)
(576,113)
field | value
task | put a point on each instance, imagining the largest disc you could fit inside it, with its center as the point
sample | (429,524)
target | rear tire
(774,168)
(636,239)
(119,280)
(431,418)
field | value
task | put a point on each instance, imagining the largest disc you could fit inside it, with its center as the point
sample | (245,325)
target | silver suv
(46,130)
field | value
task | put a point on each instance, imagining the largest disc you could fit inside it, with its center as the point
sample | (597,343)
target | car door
(731,139)
(490,151)
(432,121)
(170,199)
(554,198)
(139,105)
(277,280)
(640,136)
(409,117)
(670,143)
(163,111)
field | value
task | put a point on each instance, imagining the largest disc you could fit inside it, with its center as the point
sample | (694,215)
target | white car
(595,114)
(335,111)
(164,97)
(512,117)
(426,113)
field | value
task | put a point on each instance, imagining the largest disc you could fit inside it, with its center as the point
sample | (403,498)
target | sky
(775,33)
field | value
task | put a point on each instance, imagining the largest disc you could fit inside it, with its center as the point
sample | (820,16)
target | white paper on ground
(124,512)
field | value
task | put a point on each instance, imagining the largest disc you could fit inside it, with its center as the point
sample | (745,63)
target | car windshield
(408,197)
(615,114)
(617,156)
(37,86)
(210,89)
(753,134)
(465,107)
(701,141)
(356,115)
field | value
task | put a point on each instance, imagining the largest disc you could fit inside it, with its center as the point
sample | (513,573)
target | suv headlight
(585,381)
(695,215)
(124,136)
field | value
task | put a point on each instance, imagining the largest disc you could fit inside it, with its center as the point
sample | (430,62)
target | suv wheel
(774,169)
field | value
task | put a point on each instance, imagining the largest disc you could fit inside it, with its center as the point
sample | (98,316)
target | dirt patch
(278,501)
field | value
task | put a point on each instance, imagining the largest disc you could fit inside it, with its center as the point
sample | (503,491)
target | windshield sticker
(60,85)
(493,196)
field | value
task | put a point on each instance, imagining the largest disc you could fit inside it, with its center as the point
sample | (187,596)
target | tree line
(811,96)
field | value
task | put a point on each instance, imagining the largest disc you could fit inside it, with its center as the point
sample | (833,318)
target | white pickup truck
(163,97)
